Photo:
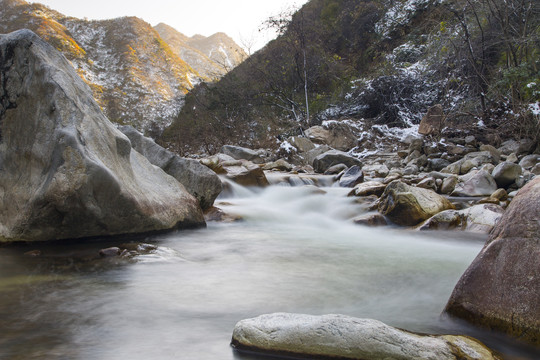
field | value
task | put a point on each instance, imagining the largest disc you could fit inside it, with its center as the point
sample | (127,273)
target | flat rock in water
(344,337)
(66,171)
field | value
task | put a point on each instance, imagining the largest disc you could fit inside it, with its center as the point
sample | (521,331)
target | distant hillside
(212,57)
(380,62)
(135,75)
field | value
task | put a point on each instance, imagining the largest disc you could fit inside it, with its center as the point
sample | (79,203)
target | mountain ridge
(200,51)
(135,75)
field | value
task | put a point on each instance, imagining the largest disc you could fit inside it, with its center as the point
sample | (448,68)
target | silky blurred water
(296,251)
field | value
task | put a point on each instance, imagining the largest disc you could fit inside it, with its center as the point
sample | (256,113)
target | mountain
(135,75)
(212,57)
(381,64)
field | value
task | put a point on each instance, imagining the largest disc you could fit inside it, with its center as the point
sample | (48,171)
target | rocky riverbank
(450,184)
(65,171)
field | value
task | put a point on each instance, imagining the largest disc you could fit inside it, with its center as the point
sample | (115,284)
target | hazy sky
(240,19)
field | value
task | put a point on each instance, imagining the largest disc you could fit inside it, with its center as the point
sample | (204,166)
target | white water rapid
(295,251)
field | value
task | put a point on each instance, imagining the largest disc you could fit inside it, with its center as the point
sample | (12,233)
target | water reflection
(295,252)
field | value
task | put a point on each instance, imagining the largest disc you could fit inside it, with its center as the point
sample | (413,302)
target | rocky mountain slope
(380,64)
(135,75)
(212,57)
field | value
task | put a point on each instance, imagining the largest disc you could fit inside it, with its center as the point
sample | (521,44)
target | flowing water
(296,251)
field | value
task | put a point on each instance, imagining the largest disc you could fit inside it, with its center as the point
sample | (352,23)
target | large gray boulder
(506,173)
(500,289)
(344,337)
(242,153)
(199,180)
(335,134)
(334,157)
(65,171)
(409,205)
(475,183)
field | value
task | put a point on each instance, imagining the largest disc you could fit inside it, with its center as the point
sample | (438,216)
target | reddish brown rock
(432,122)
(501,288)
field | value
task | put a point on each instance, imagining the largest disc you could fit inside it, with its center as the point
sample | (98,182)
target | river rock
(245,173)
(344,337)
(518,147)
(476,183)
(512,158)
(368,188)
(109,252)
(432,122)
(479,219)
(309,156)
(470,161)
(351,177)
(428,183)
(337,135)
(438,164)
(66,172)
(302,144)
(529,161)
(506,173)
(333,157)
(494,152)
(408,205)
(500,288)
(199,180)
(336,169)
(241,153)
(280,164)
(376,170)
(371,220)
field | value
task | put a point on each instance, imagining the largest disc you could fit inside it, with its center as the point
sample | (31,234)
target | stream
(295,251)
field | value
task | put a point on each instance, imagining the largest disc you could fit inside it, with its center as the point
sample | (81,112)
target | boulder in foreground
(198,179)
(343,337)
(501,288)
(66,172)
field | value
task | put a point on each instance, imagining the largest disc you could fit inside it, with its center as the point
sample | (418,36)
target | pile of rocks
(452,184)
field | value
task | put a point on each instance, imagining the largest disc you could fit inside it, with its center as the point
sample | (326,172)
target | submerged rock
(343,337)
(66,172)
(500,289)
(199,180)
(408,205)
(280,164)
